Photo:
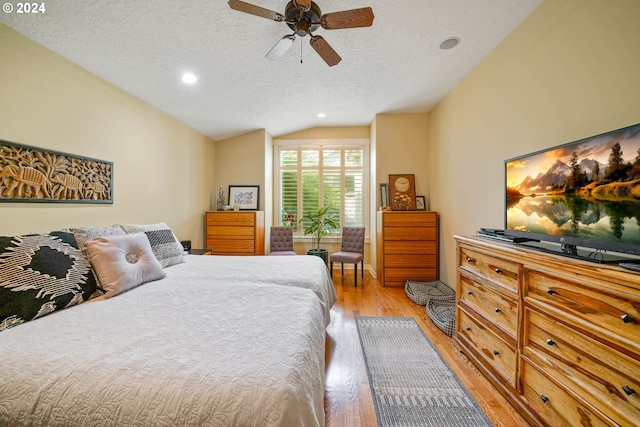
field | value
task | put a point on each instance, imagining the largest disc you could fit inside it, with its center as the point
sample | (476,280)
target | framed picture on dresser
(244,197)
(402,192)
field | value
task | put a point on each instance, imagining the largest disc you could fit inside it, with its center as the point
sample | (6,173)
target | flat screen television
(583,197)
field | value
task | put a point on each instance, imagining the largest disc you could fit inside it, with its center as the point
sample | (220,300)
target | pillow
(39,274)
(123,262)
(164,244)
(84,234)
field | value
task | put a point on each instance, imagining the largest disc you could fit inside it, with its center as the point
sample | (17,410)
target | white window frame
(327,144)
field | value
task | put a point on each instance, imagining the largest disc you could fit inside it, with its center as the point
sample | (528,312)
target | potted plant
(319,225)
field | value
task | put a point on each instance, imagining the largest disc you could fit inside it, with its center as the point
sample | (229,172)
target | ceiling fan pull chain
(301,50)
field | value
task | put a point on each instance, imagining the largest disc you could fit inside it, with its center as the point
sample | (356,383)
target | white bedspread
(308,272)
(216,343)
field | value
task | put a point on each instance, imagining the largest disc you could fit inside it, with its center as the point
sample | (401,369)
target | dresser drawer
(411,260)
(230,233)
(488,346)
(553,403)
(410,233)
(399,276)
(231,247)
(610,379)
(496,307)
(411,219)
(231,219)
(616,316)
(495,269)
(410,247)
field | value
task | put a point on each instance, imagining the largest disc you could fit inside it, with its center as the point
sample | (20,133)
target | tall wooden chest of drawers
(235,233)
(558,337)
(407,247)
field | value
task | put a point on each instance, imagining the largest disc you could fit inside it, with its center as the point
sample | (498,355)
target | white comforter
(222,341)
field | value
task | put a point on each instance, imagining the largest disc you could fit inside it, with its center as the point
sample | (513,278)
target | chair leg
(342,265)
(331,269)
(355,274)
(362,268)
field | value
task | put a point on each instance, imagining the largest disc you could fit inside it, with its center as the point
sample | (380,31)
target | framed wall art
(421,205)
(31,174)
(244,197)
(384,195)
(402,192)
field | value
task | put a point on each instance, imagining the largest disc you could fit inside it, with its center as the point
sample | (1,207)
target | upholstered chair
(282,241)
(351,251)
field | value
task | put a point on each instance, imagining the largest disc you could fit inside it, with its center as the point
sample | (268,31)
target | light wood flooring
(348,401)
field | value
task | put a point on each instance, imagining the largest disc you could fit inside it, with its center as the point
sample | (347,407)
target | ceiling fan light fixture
(303,17)
(281,47)
(450,43)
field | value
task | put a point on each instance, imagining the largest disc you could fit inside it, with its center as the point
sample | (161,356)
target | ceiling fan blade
(255,10)
(353,18)
(281,47)
(326,52)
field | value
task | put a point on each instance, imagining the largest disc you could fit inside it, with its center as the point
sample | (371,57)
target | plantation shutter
(317,176)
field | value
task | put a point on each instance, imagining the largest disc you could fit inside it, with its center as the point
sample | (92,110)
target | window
(312,176)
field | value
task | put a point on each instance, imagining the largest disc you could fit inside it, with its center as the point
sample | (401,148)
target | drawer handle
(551,291)
(470,260)
(544,398)
(498,310)
(469,293)
(628,390)
(626,318)
(496,352)
(468,329)
(497,270)
(550,341)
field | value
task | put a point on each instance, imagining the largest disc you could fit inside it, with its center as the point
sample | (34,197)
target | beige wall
(162,169)
(241,161)
(567,72)
(401,148)
(247,160)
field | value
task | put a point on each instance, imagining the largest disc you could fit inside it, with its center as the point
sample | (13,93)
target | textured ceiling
(395,66)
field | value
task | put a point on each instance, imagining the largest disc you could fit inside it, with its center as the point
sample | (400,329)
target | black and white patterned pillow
(39,274)
(164,244)
(84,234)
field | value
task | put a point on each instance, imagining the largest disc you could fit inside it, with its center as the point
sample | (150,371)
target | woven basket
(443,315)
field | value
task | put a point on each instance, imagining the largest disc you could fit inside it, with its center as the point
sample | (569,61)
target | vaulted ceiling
(395,66)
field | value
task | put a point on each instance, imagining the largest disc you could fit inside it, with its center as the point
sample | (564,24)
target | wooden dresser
(235,233)
(407,247)
(558,337)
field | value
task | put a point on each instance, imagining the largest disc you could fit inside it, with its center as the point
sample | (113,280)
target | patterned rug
(410,382)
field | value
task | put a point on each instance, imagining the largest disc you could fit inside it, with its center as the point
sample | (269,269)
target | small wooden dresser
(558,337)
(407,246)
(235,233)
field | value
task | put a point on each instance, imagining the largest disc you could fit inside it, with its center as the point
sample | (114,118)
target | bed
(219,341)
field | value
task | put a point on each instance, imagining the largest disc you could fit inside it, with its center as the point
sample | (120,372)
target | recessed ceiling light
(450,43)
(189,78)
(322,115)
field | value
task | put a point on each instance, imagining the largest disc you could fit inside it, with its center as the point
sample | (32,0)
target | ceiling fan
(304,17)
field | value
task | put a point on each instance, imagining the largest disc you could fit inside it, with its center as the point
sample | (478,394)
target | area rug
(410,382)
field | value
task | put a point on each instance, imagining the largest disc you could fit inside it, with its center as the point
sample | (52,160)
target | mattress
(221,341)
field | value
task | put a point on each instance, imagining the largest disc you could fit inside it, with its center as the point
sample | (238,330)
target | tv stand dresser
(558,337)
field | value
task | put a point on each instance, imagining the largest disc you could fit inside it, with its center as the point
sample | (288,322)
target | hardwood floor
(348,401)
